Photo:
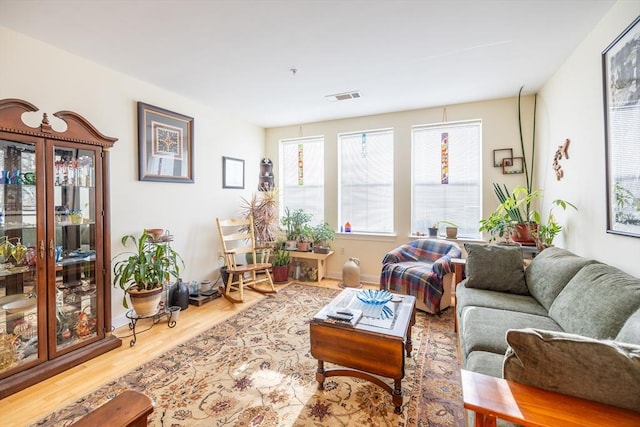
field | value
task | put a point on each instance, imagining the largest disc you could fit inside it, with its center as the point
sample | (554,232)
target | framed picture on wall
(621,86)
(232,173)
(165,145)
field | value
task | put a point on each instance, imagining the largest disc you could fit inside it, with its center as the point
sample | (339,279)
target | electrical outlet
(341,251)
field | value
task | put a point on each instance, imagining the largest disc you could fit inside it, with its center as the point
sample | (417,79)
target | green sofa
(565,323)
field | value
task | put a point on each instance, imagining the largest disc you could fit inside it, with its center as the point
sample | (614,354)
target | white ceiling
(236,56)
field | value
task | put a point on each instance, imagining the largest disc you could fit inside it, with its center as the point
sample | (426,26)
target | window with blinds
(446,176)
(366,180)
(301,182)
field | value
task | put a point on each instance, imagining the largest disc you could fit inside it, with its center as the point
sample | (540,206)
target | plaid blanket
(418,268)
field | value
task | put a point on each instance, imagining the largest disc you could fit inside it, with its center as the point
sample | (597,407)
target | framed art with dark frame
(165,145)
(620,70)
(232,173)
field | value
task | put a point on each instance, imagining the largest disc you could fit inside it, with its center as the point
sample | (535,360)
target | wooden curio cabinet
(55,283)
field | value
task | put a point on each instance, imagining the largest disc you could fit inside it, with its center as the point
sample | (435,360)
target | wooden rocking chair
(238,238)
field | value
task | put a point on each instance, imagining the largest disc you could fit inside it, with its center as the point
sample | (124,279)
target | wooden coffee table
(366,351)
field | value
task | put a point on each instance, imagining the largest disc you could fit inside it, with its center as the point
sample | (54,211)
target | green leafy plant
(517,203)
(281,257)
(149,267)
(499,225)
(547,231)
(294,222)
(323,234)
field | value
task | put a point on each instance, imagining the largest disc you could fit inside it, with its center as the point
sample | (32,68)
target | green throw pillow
(495,268)
(598,370)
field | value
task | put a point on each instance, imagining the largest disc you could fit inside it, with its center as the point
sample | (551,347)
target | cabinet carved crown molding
(78,128)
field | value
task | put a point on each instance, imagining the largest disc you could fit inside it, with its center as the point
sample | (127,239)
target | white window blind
(301,184)
(366,180)
(446,176)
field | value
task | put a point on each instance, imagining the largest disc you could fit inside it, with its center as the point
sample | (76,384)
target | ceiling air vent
(343,96)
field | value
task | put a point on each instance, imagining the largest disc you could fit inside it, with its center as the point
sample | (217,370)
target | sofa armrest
(491,398)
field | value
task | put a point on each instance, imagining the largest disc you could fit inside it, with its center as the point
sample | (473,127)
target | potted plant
(517,204)
(263,207)
(305,234)
(498,225)
(144,272)
(280,265)
(294,222)
(433,230)
(451,229)
(547,231)
(322,236)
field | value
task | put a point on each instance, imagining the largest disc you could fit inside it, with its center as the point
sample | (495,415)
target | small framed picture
(512,165)
(232,173)
(500,155)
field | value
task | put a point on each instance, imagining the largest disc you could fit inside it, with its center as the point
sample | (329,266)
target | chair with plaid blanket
(421,268)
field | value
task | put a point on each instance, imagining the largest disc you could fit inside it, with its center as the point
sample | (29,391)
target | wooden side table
(319,259)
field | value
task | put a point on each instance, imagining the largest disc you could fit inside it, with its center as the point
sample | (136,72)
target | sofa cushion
(497,268)
(484,329)
(485,362)
(550,271)
(606,371)
(466,297)
(597,302)
(630,332)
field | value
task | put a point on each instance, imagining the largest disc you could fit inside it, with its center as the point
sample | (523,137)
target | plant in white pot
(142,273)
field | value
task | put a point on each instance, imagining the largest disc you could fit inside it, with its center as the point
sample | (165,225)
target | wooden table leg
(396,397)
(320,375)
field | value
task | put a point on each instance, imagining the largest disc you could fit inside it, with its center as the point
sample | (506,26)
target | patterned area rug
(255,369)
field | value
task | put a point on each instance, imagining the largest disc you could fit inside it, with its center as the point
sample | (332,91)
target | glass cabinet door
(73,245)
(19,296)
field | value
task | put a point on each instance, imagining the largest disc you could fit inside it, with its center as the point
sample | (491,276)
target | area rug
(255,369)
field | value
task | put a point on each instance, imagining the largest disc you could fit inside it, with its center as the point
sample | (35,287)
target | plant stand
(170,312)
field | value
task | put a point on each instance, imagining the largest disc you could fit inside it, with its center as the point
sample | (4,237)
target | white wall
(55,80)
(499,130)
(571,106)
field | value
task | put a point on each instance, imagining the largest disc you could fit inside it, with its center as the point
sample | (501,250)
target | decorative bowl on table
(374,303)
(369,296)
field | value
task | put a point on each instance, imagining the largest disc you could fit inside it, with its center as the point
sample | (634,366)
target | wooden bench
(491,398)
(128,409)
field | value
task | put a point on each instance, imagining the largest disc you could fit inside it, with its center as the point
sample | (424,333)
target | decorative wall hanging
(165,145)
(512,165)
(562,151)
(621,68)
(300,165)
(232,173)
(444,158)
(501,154)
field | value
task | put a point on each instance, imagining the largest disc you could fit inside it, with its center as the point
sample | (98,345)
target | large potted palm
(143,272)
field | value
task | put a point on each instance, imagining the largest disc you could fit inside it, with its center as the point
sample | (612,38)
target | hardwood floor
(33,403)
